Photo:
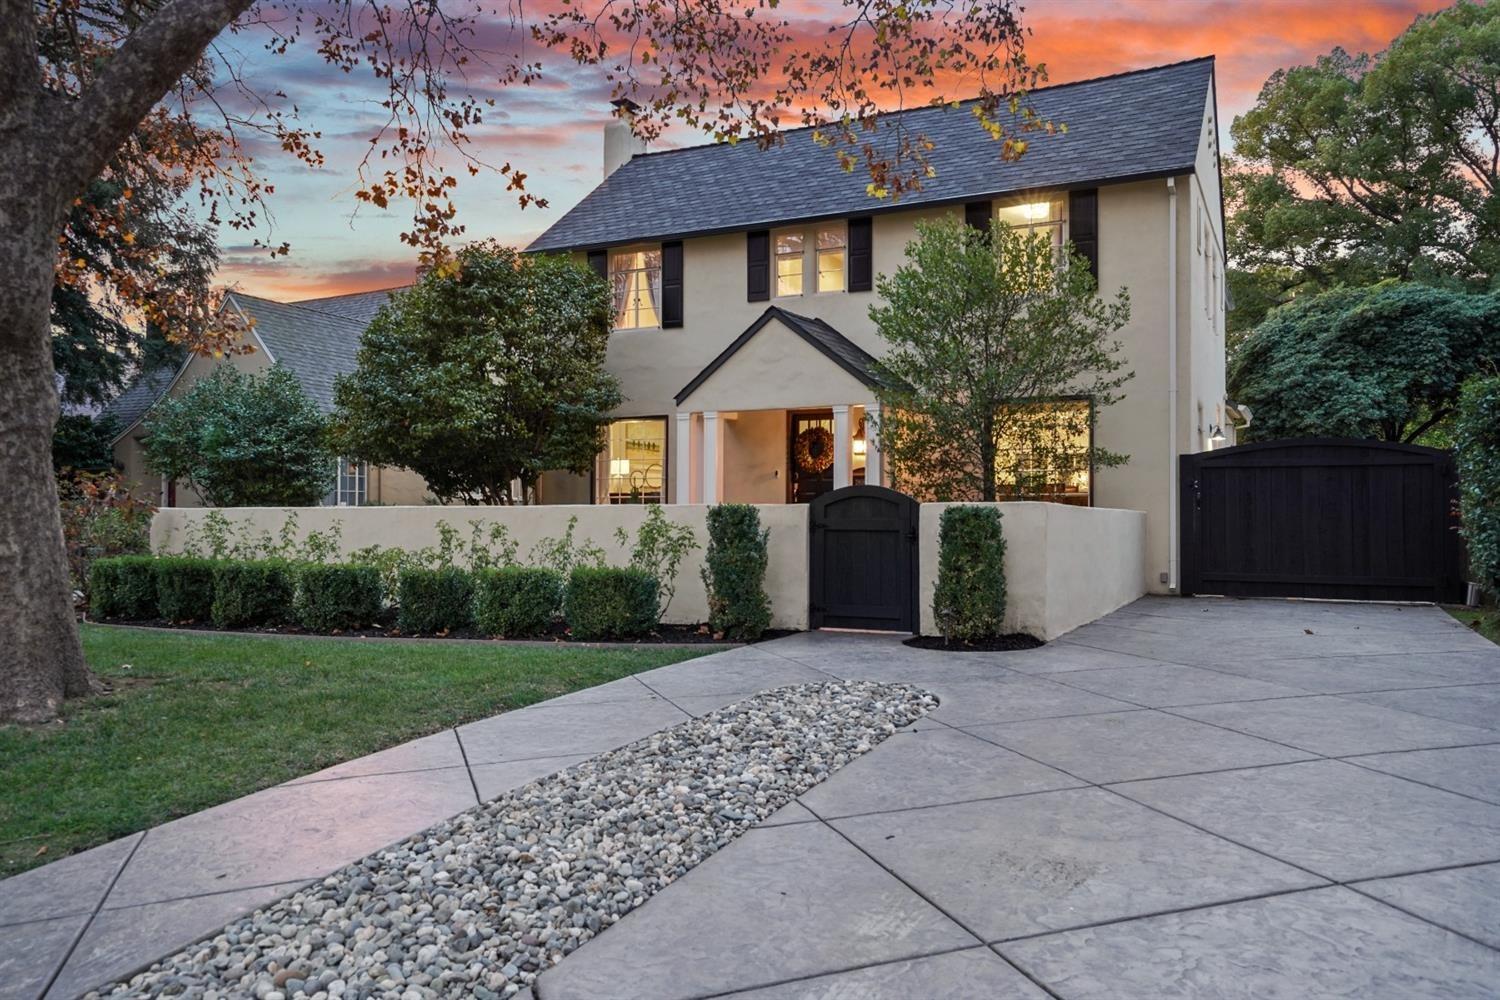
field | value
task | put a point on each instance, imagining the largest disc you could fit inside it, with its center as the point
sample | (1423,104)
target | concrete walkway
(1187,798)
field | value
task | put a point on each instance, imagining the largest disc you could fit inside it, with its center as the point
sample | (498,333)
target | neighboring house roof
(1134,125)
(361,306)
(138,397)
(834,345)
(314,345)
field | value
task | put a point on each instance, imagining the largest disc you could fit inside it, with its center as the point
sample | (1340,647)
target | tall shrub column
(1477,439)
(969,601)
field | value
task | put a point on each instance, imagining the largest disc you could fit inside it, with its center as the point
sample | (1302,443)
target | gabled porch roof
(836,347)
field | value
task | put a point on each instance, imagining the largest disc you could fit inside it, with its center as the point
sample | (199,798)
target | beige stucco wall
(1064,566)
(416,527)
(776,369)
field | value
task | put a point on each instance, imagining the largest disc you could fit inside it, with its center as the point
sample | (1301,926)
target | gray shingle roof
(1140,124)
(361,306)
(834,345)
(314,345)
(138,397)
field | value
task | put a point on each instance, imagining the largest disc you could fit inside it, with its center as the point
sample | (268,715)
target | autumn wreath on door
(814,450)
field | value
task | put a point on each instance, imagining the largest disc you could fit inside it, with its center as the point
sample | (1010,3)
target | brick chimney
(620,144)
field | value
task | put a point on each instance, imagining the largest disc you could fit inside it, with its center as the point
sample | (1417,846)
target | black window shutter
(599,261)
(1083,226)
(861,254)
(671,283)
(758,265)
(979,214)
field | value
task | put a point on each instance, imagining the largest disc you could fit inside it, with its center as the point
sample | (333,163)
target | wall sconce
(1216,436)
(859,446)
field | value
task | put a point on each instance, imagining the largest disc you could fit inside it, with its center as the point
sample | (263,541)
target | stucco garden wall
(416,528)
(1064,566)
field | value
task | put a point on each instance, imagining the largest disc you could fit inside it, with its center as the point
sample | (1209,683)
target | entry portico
(781,415)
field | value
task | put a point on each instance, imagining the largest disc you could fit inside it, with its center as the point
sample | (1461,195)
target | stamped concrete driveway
(1186,798)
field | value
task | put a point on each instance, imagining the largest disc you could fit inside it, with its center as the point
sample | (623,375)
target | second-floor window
(635,278)
(831,246)
(1040,218)
(825,244)
(789,262)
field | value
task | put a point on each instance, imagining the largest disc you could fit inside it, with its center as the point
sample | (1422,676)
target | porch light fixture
(859,446)
(1216,436)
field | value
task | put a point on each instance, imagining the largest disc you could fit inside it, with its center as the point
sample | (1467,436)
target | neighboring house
(316,340)
(743,280)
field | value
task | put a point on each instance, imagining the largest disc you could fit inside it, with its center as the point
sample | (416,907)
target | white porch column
(843,444)
(872,446)
(683,466)
(713,472)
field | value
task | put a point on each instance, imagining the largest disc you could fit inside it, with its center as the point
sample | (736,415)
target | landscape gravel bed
(482,904)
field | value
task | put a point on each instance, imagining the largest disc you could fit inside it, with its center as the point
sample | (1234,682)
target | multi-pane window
(1045,454)
(831,255)
(789,254)
(350,490)
(635,279)
(634,463)
(1042,218)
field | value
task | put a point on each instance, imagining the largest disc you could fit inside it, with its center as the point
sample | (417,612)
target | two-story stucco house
(743,281)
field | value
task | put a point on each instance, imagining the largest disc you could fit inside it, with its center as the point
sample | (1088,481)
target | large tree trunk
(41,659)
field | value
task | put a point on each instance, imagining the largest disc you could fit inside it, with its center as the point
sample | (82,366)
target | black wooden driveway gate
(863,560)
(1321,517)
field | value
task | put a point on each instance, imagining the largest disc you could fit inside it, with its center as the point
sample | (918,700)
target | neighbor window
(789,253)
(634,464)
(1044,217)
(1045,455)
(350,489)
(635,278)
(831,258)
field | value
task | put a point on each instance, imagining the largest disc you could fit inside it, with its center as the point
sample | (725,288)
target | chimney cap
(625,105)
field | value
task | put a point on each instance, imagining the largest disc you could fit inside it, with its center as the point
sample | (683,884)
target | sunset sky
(553,131)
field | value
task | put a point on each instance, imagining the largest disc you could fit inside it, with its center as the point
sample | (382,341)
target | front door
(809,455)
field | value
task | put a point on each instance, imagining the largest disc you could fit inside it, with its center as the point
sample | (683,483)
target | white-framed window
(633,468)
(350,490)
(1045,455)
(790,247)
(635,279)
(1038,216)
(832,251)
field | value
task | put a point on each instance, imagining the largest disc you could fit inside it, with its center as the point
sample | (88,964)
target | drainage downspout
(1172,512)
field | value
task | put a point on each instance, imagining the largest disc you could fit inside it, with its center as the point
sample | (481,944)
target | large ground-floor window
(350,489)
(1047,454)
(633,468)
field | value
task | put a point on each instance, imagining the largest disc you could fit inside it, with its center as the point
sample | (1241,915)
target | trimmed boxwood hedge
(517,601)
(433,600)
(1476,437)
(734,572)
(185,588)
(605,602)
(969,601)
(123,587)
(338,596)
(252,593)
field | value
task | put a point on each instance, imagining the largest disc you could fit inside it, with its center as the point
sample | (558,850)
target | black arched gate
(1322,517)
(863,560)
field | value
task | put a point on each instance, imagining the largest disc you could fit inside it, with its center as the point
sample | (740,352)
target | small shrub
(603,602)
(517,601)
(252,593)
(1477,443)
(123,587)
(185,588)
(337,596)
(100,519)
(734,573)
(434,600)
(969,602)
(660,546)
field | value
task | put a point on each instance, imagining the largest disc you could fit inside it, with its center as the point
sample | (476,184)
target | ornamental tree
(243,440)
(83,83)
(490,369)
(984,331)
(1384,362)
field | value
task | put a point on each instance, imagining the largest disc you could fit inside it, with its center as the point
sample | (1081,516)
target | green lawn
(1488,618)
(198,719)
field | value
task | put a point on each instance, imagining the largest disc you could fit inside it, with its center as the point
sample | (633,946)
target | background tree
(1360,168)
(981,329)
(243,440)
(1384,362)
(490,369)
(83,80)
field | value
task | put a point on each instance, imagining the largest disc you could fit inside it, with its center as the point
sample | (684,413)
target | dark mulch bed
(999,644)
(664,634)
